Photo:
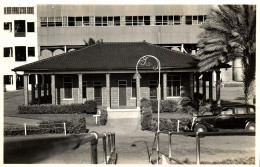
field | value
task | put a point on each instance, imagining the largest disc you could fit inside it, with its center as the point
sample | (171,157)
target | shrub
(146,120)
(145,103)
(103,116)
(165,105)
(89,107)
(51,126)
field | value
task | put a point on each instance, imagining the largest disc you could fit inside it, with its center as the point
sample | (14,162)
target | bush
(51,126)
(146,120)
(145,103)
(103,116)
(165,105)
(89,107)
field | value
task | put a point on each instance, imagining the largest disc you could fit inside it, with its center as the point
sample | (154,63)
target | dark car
(229,117)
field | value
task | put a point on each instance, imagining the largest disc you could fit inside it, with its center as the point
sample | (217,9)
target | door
(153,89)
(98,92)
(122,93)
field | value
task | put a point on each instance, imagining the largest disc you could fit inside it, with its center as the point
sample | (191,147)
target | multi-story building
(63,28)
(19,42)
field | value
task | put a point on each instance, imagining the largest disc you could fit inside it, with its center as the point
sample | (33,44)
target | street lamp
(143,61)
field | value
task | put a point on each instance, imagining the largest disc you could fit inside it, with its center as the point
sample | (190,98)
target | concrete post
(138,92)
(53,90)
(25,88)
(80,90)
(108,90)
(210,88)
(218,82)
(165,86)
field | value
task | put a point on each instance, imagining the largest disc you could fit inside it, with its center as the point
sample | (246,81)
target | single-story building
(105,72)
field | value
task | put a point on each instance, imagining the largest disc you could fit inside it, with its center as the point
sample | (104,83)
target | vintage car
(228,117)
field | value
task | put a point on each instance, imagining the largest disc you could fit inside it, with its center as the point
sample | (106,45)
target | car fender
(210,127)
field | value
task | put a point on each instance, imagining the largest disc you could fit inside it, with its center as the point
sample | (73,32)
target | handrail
(32,149)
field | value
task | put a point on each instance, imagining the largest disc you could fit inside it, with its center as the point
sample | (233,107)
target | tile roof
(111,56)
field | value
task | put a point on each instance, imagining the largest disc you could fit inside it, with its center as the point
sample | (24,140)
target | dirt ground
(212,148)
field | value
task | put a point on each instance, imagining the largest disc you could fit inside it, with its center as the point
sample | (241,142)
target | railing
(169,158)
(34,149)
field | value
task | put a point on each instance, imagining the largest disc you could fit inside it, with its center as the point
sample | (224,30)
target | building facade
(61,28)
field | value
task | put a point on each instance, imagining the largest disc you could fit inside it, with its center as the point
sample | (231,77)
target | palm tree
(90,41)
(230,33)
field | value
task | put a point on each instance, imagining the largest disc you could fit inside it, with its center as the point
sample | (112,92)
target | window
(188,20)
(8,52)
(86,21)
(133,87)
(98,21)
(241,111)
(31,51)
(30,26)
(177,20)
(9,10)
(43,21)
(194,20)
(137,20)
(227,111)
(22,10)
(84,89)
(51,22)
(158,20)
(30,10)
(8,79)
(147,20)
(19,28)
(251,110)
(153,89)
(15,10)
(71,21)
(8,26)
(173,85)
(58,21)
(67,81)
(117,21)
(78,21)
(128,20)
(201,19)
(20,53)
(164,20)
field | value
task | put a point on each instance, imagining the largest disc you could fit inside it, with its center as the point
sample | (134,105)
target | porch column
(53,91)
(210,88)
(108,90)
(138,92)
(39,90)
(33,89)
(197,83)
(25,88)
(204,91)
(165,86)
(218,87)
(80,100)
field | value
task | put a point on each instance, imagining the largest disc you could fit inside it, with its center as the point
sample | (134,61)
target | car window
(228,111)
(251,111)
(240,110)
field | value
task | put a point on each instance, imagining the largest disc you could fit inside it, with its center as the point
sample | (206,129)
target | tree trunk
(251,93)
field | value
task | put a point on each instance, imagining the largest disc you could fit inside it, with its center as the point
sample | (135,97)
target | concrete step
(124,114)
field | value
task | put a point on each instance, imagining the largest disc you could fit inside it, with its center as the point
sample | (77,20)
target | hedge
(89,107)
(49,127)
(165,105)
(103,116)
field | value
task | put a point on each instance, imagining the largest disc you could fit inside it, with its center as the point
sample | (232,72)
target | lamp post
(143,61)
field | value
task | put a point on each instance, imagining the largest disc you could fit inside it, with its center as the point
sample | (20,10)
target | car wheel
(250,126)
(200,128)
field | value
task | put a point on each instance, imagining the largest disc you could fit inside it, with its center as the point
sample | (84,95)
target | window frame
(9,26)
(68,82)
(10,52)
(171,95)
(29,50)
(11,82)
(29,26)
(156,86)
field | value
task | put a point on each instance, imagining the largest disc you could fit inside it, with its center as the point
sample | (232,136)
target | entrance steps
(124,114)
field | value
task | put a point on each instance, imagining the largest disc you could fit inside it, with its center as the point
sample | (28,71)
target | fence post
(198,148)
(25,130)
(170,146)
(105,148)
(178,125)
(65,128)
(94,154)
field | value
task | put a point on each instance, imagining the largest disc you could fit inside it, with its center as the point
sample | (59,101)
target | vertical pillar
(218,82)
(197,83)
(108,91)
(39,90)
(138,91)
(80,90)
(210,88)
(204,79)
(191,84)
(25,88)
(33,89)
(53,91)
(65,49)
(165,86)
